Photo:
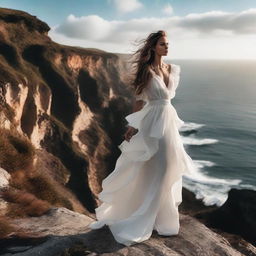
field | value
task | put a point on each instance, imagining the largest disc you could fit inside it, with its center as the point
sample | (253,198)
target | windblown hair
(142,59)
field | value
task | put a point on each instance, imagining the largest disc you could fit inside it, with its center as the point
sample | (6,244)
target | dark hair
(143,58)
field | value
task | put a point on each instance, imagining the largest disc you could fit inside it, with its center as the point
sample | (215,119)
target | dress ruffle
(135,119)
(124,213)
(152,120)
(176,79)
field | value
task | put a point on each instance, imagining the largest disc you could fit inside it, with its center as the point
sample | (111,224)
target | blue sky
(196,28)
(51,11)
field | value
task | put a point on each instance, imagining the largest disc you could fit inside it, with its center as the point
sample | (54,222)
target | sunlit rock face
(68,101)
(4,183)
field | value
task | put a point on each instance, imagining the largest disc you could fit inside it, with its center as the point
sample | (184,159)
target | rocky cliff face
(67,100)
(62,114)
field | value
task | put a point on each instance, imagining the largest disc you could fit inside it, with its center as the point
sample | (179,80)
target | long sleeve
(176,79)
(176,76)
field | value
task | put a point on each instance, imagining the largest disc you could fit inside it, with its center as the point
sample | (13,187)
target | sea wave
(212,190)
(197,141)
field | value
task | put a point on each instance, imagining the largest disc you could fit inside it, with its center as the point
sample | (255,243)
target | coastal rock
(58,221)
(4,178)
(236,216)
(62,232)
(4,182)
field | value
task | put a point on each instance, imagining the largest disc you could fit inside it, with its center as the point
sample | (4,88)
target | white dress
(144,190)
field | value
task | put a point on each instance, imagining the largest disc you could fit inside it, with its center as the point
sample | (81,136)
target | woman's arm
(138,105)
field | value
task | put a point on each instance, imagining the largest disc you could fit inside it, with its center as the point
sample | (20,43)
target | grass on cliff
(5,227)
(44,188)
(22,203)
(34,197)
(16,151)
(31,192)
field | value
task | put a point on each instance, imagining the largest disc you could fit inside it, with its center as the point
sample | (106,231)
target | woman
(144,190)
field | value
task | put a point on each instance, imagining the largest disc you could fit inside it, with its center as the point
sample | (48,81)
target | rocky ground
(63,232)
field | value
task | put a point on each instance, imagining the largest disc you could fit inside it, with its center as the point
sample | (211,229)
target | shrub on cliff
(44,188)
(22,203)
(31,192)
(16,151)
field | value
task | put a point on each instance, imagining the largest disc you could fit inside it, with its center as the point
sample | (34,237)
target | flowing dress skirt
(144,190)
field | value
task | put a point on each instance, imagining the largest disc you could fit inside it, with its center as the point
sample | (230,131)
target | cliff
(66,100)
(62,114)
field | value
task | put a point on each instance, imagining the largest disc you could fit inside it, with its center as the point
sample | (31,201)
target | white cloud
(168,9)
(90,27)
(124,6)
(96,28)
(238,23)
(191,35)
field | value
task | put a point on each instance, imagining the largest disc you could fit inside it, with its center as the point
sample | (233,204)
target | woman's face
(162,45)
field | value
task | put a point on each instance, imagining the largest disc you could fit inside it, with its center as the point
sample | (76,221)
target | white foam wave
(209,195)
(200,177)
(203,163)
(212,190)
(248,186)
(213,195)
(195,141)
(188,126)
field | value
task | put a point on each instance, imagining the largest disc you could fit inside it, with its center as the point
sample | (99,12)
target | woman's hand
(130,132)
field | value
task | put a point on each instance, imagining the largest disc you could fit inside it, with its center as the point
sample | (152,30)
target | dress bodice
(156,87)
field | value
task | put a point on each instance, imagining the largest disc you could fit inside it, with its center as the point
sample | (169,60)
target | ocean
(217,101)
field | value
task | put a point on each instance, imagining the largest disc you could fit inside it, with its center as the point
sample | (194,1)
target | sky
(196,29)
